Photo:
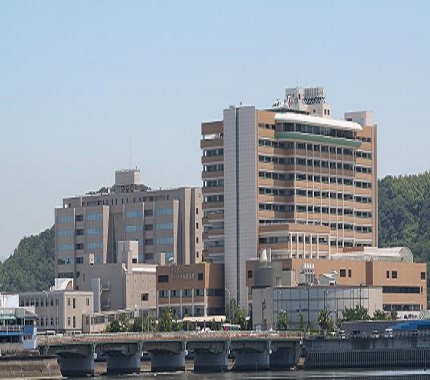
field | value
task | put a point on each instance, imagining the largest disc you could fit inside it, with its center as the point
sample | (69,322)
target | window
(88,302)
(133,214)
(148,213)
(64,219)
(423,275)
(199,292)
(388,274)
(187,293)
(134,228)
(144,297)
(200,277)
(164,211)
(164,241)
(164,226)
(349,272)
(74,303)
(94,216)
(394,274)
(163,278)
(250,274)
(68,301)
(342,273)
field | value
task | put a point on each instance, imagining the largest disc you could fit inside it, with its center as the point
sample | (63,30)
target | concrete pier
(123,365)
(210,356)
(251,355)
(75,365)
(167,361)
(284,356)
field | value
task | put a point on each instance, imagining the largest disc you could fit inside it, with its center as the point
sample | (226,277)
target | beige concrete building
(126,285)
(403,282)
(290,178)
(195,290)
(165,223)
(60,309)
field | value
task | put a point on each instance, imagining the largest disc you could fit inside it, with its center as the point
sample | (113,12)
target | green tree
(393,315)
(113,327)
(379,315)
(325,321)
(301,321)
(359,313)
(235,314)
(283,320)
(165,323)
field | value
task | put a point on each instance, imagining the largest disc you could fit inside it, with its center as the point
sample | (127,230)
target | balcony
(211,143)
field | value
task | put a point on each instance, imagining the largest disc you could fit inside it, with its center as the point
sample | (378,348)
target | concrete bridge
(252,351)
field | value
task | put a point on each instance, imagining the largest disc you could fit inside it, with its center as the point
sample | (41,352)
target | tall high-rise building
(290,178)
(167,224)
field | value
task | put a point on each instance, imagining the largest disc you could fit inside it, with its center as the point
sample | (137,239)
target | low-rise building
(61,308)
(307,301)
(403,282)
(195,290)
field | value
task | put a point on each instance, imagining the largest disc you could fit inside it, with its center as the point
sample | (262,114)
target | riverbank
(29,367)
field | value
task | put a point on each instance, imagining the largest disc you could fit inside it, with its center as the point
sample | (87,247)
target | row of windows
(164,241)
(133,228)
(66,233)
(281,176)
(65,261)
(214,183)
(64,219)
(402,289)
(214,244)
(316,130)
(213,152)
(92,216)
(65,247)
(313,163)
(94,231)
(95,245)
(177,293)
(164,226)
(214,198)
(307,147)
(313,194)
(294,239)
(134,214)
(163,211)
(213,168)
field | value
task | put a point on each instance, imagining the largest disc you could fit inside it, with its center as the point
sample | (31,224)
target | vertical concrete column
(207,361)
(72,366)
(123,365)
(167,362)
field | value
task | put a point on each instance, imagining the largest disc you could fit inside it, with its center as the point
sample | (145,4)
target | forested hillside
(31,267)
(404,213)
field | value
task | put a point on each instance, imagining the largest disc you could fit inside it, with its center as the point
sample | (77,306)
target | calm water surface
(383,375)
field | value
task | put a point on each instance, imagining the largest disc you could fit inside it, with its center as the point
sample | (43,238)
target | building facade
(167,224)
(60,309)
(290,178)
(403,282)
(191,290)
(125,285)
(307,301)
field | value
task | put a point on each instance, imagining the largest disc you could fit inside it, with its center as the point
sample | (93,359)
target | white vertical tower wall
(240,199)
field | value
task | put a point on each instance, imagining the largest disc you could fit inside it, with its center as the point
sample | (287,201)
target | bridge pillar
(212,359)
(76,366)
(123,365)
(252,359)
(167,362)
(284,357)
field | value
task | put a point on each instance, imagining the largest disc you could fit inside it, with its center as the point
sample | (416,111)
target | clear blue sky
(79,80)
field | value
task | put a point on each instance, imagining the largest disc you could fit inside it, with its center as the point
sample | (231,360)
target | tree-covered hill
(31,267)
(404,213)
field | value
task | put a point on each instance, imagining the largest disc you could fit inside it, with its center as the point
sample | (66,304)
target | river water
(329,374)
